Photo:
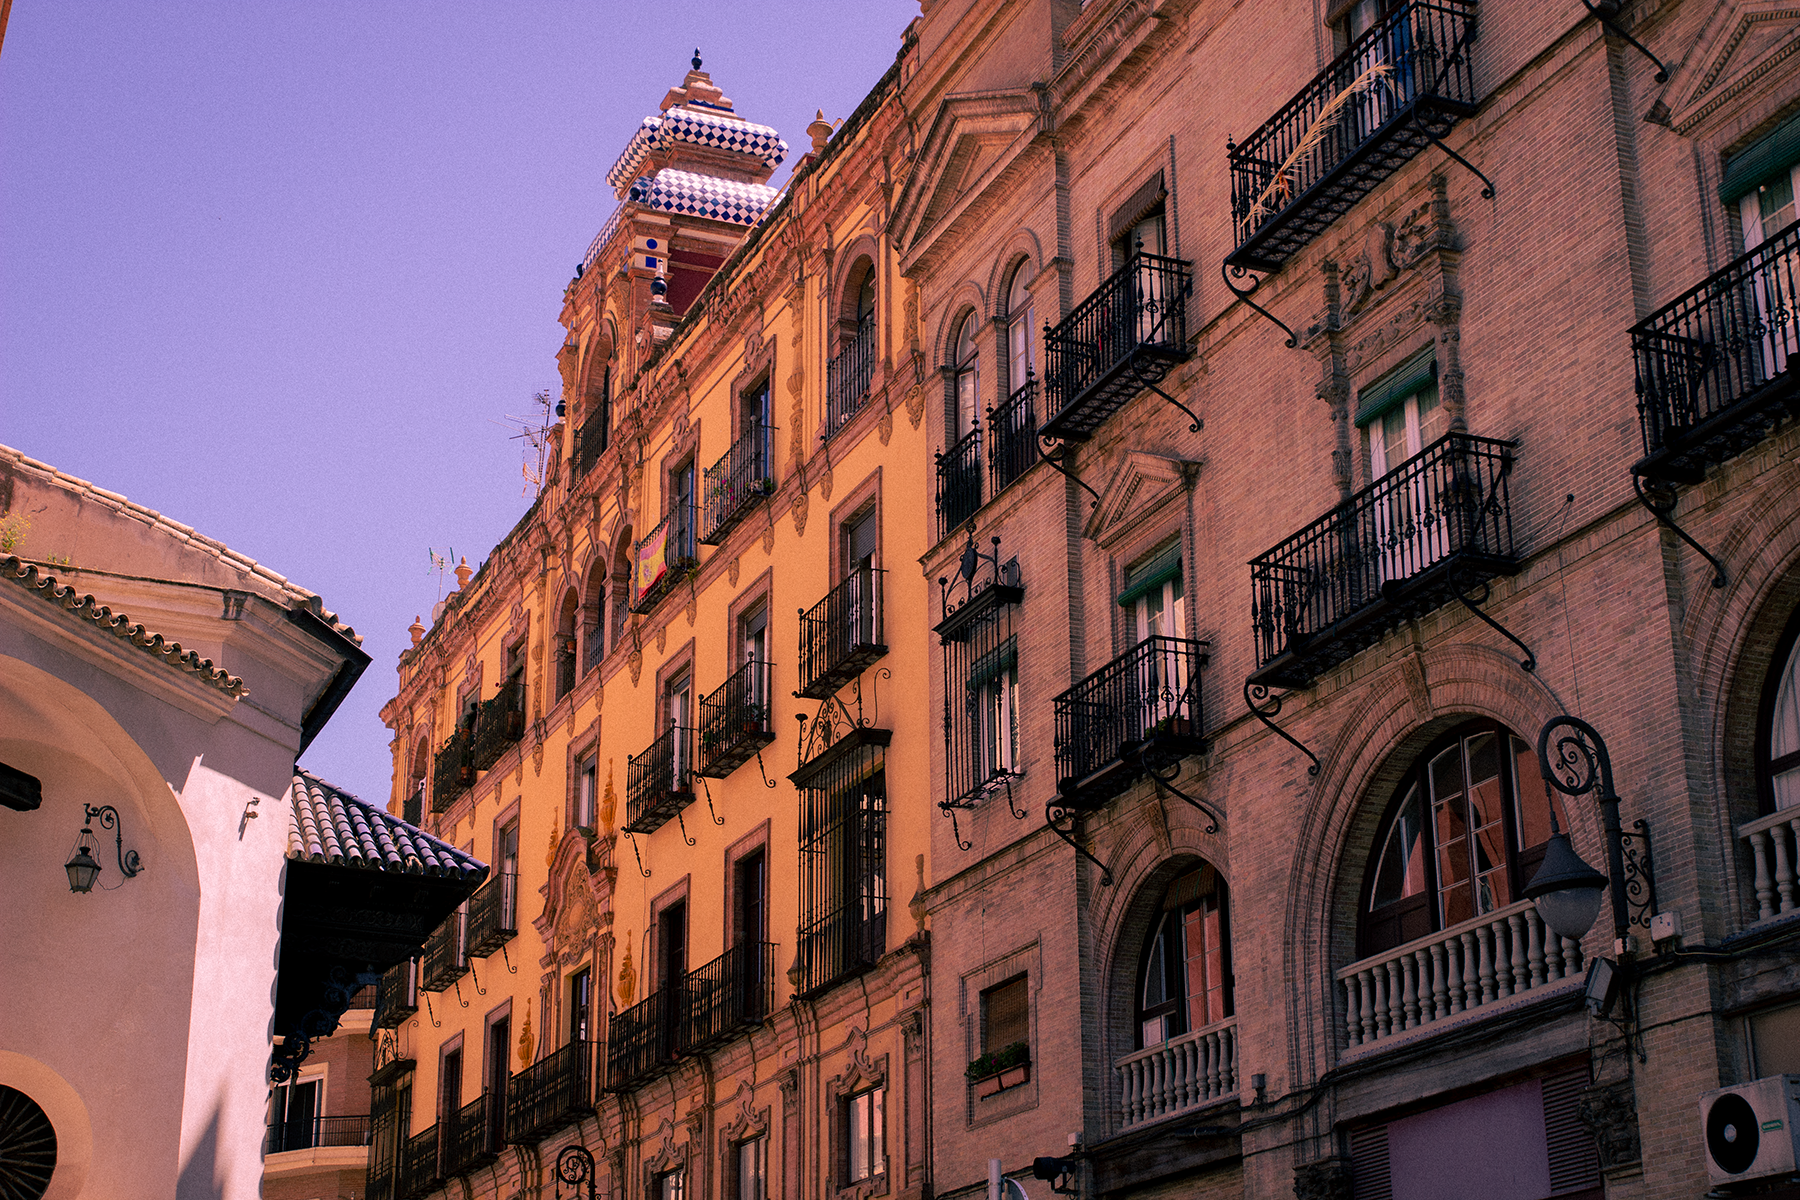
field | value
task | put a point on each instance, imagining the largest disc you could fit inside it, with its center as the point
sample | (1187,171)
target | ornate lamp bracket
(575,1167)
(1266,708)
(1662,506)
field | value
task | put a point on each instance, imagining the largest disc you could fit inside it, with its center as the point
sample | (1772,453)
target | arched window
(852,364)
(1184,976)
(566,661)
(593,616)
(621,589)
(413,806)
(965,371)
(1021,353)
(1465,834)
(1779,745)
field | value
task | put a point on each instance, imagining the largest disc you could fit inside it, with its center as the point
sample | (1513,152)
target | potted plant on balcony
(998,1070)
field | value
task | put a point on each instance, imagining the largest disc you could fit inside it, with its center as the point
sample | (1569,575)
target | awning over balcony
(363,890)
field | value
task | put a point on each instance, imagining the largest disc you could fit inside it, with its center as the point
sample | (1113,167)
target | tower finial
(696,58)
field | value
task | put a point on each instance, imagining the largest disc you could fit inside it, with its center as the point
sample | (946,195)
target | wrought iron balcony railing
(841,634)
(729,994)
(396,995)
(1140,711)
(1720,366)
(412,809)
(500,723)
(551,1094)
(1116,343)
(959,482)
(420,1170)
(737,482)
(452,772)
(311,1132)
(1398,87)
(847,377)
(841,944)
(657,782)
(444,960)
(1414,540)
(710,1005)
(643,1041)
(493,914)
(592,438)
(473,1138)
(679,554)
(735,721)
(1013,430)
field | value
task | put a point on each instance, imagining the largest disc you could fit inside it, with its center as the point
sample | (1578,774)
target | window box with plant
(998,1070)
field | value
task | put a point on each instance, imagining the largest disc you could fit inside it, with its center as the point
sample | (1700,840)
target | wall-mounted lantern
(83,867)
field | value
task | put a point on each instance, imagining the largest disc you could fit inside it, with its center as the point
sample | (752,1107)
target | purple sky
(276,270)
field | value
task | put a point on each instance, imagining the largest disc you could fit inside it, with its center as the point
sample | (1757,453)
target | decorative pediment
(972,141)
(1141,485)
(743,1120)
(1740,45)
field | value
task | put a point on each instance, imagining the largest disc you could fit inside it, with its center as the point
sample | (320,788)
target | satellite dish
(1012,1189)
(437,610)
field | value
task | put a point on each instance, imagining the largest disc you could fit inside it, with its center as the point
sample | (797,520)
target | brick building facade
(1323,398)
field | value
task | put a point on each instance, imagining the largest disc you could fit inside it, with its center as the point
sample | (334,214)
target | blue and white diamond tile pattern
(703,196)
(699,129)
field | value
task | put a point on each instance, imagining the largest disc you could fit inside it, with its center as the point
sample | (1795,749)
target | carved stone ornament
(915,404)
(662,641)
(769,535)
(885,426)
(1372,269)
(1610,1111)
(636,664)
(574,917)
(800,503)
(731,576)
(1326,1179)
(747,1121)
(825,479)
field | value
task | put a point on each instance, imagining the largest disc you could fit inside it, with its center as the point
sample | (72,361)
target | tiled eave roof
(332,826)
(87,609)
(703,196)
(699,129)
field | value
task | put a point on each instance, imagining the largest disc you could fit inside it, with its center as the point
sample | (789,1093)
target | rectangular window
(669,1186)
(863,1148)
(678,714)
(506,852)
(1005,1014)
(671,948)
(993,688)
(581,1005)
(293,1112)
(450,1085)
(843,864)
(583,813)
(751,887)
(685,526)
(753,1169)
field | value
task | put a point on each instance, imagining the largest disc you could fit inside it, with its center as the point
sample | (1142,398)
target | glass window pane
(1401,871)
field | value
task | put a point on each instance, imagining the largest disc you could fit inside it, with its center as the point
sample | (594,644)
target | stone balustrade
(1494,957)
(1190,1071)
(1773,841)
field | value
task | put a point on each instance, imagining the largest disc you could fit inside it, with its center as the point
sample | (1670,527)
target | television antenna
(534,431)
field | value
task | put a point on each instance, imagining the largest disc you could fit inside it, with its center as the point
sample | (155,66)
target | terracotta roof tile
(330,825)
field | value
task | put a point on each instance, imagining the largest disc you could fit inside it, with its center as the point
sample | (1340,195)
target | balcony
(1141,710)
(657,782)
(712,1004)
(1013,431)
(959,482)
(500,723)
(1360,119)
(566,663)
(396,997)
(444,960)
(1774,842)
(473,1138)
(643,1041)
(1411,542)
(453,771)
(1492,963)
(665,557)
(412,809)
(591,439)
(1185,1073)
(314,1132)
(841,634)
(1120,340)
(419,1172)
(847,377)
(736,483)
(735,721)
(550,1094)
(493,914)
(843,943)
(1717,368)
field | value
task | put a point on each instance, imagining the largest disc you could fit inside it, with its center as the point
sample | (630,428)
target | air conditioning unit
(1752,1130)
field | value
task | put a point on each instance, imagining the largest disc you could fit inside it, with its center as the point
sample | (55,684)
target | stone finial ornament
(609,802)
(627,975)
(463,574)
(819,131)
(417,629)
(526,1042)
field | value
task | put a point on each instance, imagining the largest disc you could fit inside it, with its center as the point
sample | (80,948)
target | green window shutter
(1413,375)
(1151,573)
(1761,160)
(993,664)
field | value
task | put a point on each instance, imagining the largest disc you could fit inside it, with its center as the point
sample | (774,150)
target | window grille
(843,858)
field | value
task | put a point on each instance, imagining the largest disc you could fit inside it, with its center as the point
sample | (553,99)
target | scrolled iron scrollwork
(1231,271)
(1265,708)
(574,1167)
